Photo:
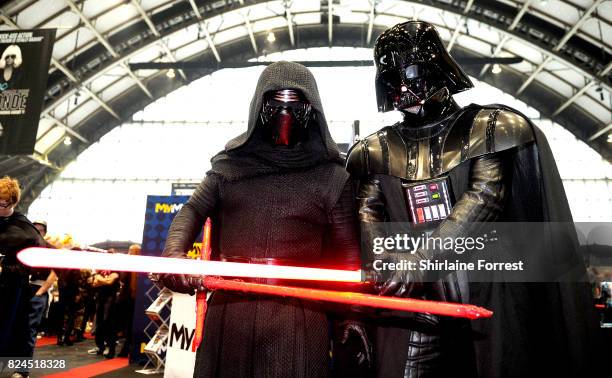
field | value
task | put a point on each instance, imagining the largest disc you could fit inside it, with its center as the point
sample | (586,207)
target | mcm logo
(183,334)
(167,208)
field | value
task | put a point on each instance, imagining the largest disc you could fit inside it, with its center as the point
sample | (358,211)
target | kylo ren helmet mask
(285,115)
(413,67)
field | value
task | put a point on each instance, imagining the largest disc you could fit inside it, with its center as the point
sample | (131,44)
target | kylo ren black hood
(248,155)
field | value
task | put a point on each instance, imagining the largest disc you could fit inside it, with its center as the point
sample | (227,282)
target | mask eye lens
(413,72)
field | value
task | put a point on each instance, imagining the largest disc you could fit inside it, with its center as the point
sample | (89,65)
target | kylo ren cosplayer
(440,170)
(277,194)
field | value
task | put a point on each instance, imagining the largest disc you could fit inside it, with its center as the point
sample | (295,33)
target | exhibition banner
(24,68)
(160,212)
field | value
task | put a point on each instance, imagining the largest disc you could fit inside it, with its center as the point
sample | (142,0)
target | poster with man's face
(24,65)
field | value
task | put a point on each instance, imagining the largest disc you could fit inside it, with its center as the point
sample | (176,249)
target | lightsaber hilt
(201,305)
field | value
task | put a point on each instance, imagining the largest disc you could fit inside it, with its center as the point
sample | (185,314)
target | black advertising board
(24,67)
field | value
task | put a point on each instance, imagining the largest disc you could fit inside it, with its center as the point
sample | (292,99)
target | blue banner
(159,214)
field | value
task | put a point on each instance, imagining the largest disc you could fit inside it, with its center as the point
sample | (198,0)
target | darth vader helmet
(413,68)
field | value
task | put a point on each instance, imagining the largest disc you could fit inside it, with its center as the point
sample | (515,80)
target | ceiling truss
(198,12)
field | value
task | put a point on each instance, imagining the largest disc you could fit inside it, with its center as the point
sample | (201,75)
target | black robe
(271,202)
(16,233)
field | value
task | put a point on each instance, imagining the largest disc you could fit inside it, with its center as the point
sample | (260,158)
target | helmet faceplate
(285,115)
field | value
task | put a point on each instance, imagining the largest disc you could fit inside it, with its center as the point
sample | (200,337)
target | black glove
(402,283)
(181,283)
(357,329)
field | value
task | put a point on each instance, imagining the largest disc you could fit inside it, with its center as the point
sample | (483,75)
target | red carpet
(46,340)
(49,340)
(92,370)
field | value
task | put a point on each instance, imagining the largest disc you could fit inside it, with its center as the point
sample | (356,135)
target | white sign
(180,360)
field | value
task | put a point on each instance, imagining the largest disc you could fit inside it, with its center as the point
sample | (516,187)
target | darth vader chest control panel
(428,201)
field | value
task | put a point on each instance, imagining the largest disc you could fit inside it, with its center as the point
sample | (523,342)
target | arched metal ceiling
(91,89)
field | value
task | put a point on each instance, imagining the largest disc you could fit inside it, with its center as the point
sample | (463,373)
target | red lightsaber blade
(201,305)
(400,304)
(68,259)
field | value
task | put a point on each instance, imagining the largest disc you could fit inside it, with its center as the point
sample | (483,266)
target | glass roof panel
(82,112)
(116,88)
(550,81)
(229,35)
(118,16)
(43,126)
(105,80)
(307,18)
(50,139)
(70,104)
(30,17)
(66,45)
(602,113)
(521,49)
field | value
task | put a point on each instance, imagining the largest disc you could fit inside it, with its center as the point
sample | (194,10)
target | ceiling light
(67,141)
(271,37)
(496,69)
(170,73)
(609,138)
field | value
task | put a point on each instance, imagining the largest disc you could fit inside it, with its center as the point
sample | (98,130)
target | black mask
(285,115)
(414,72)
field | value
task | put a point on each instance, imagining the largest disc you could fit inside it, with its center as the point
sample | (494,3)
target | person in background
(127,298)
(84,280)
(87,304)
(16,233)
(107,284)
(40,282)
(68,286)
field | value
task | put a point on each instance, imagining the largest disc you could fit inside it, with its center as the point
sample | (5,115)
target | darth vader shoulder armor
(427,152)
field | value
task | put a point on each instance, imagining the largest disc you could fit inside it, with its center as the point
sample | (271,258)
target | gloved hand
(402,283)
(181,283)
(357,329)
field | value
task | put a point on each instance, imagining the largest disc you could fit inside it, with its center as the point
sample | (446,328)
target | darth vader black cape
(538,329)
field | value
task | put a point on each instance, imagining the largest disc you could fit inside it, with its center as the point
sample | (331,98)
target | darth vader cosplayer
(277,194)
(440,170)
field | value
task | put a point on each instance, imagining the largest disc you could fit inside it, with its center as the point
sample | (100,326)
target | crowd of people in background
(69,304)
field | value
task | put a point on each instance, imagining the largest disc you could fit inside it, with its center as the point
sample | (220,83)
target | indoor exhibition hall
(306,188)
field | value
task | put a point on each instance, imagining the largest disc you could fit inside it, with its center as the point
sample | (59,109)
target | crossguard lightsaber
(201,305)
(350,298)
(67,259)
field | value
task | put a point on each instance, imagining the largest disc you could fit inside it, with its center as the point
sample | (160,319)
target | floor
(79,363)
